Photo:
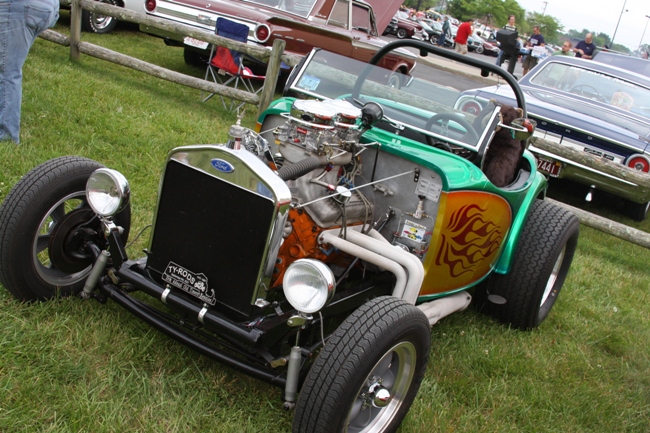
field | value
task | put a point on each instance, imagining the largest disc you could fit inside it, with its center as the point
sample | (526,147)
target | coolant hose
(300,168)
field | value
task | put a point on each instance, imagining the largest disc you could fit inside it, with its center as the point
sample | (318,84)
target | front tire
(44,223)
(543,258)
(96,23)
(479,50)
(401,33)
(369,372)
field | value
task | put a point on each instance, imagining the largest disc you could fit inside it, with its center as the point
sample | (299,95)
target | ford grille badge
(222,166)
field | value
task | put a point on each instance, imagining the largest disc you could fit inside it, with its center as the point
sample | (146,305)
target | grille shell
(225,225)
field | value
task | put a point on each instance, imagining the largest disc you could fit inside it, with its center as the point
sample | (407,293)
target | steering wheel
(470,133)
(580,90)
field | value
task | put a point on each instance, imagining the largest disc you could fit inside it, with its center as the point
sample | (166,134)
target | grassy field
(77,366)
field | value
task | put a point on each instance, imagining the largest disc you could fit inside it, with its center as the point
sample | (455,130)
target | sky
(599,16)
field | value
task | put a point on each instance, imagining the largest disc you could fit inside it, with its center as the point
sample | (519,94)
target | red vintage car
(346,27)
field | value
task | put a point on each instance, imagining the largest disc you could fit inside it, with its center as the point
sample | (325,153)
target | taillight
(638,162)
(150,5)
(262,33)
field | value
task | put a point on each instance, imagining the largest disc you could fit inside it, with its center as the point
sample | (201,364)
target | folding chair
(229,63)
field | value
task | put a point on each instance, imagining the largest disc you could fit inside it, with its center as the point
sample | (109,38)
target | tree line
(495,14)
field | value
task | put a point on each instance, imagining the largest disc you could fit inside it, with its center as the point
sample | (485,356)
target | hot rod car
(316,251)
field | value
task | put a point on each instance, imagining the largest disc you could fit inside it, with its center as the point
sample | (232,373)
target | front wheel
(524,297)
(369,372)
(97,23)
(401,33)
(479,49)
(45,222)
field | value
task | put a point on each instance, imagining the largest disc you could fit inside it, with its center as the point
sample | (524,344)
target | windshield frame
(435,119)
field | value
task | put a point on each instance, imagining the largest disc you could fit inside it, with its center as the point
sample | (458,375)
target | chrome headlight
(107,192)
(308,285)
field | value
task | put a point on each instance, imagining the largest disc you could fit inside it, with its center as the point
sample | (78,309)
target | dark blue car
(588,106)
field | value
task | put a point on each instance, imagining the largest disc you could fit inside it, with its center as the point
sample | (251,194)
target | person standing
(585,49)
(511,55)
(536,40)
(445,32)
(462,34)
(565,50)
(21,21)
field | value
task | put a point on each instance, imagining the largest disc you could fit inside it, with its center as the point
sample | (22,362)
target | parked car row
(590,106)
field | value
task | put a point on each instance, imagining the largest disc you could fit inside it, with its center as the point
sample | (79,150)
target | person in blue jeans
(445,32)
(21,21)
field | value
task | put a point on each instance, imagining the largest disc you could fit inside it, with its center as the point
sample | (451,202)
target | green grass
(77,366)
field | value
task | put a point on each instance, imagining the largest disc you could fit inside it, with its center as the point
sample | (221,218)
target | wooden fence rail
(273,57)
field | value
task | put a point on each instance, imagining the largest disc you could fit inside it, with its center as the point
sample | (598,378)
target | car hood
(578,113)
(384,11)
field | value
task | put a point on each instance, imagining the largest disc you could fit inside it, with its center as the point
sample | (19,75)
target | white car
(97,23)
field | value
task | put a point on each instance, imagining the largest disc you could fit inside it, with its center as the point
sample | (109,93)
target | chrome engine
(328,131)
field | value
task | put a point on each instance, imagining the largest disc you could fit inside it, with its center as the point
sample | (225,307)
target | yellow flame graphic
(468,239)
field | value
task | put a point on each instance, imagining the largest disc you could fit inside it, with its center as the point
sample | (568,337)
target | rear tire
(97,23)
(479,50)
(543,258)
(369,372)
(637,211)
(195,58)
(39,255)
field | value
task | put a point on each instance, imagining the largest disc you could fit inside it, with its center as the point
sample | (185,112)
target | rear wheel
(480,49)
(368,373)
(395,80)
(195,58)
(97,23)
(44,223)
(543,258)
(637,211)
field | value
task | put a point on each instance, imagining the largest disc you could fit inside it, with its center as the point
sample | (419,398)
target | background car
(490,48)
(634,64)
(347,28)
(391,28)
(98,23)
(475,43)
(428,32)
(407,28)
(591,107)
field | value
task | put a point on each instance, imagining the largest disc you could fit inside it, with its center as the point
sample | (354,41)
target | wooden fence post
(75,29)
(272,73)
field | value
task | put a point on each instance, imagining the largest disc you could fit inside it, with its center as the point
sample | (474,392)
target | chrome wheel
(553,277)
(384,390)
(51,257)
